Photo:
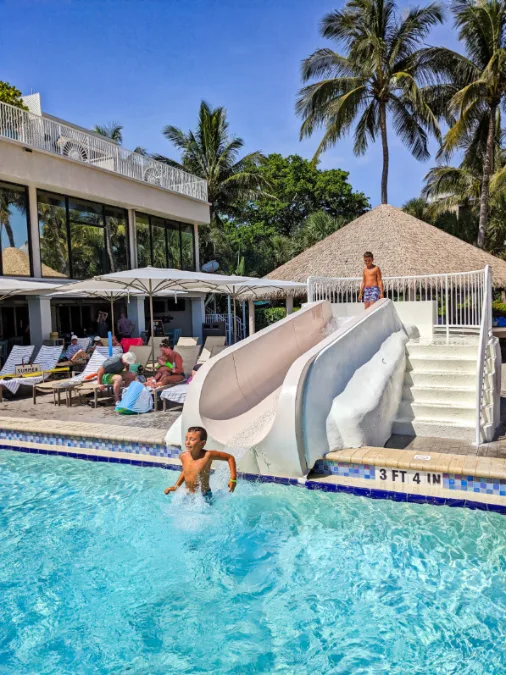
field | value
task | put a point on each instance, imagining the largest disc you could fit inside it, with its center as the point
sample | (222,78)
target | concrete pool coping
(471,481)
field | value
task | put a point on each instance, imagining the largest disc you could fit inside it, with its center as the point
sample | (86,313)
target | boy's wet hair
(368,254)
(165,343)
(201,430)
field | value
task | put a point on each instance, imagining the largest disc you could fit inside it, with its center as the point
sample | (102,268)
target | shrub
(266,316)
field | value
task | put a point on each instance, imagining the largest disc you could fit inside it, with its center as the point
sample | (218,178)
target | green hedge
(499,308)
(266,316)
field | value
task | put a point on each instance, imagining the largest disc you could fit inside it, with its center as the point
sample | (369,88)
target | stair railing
(485,337)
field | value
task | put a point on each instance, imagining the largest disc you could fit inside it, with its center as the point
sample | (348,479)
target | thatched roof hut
(402,246)
(16,263)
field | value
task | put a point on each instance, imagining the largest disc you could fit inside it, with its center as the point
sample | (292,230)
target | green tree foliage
(9,94)
(271,229)
(113,131)
(475,88)
(458,220)
(378,76)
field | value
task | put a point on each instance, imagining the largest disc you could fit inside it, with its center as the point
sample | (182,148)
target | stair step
(454,430)
(441,350)
(431,378)
(436,412)
(441,365)
(439,394)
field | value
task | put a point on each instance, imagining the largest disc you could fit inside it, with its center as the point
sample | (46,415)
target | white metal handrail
(51,136)
(459,296)
(240,327)
(485,337)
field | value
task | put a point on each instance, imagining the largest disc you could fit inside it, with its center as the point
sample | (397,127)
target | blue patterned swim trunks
(371,294)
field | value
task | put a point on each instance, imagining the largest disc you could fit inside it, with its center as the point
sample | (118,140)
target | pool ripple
(100,572)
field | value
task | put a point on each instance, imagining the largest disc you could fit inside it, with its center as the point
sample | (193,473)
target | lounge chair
(105,350)
(187,342)
(92,367)
(176,394)
(189,356)
(214,344)
(47,359)
(142,354)
(19,356)
(83,343)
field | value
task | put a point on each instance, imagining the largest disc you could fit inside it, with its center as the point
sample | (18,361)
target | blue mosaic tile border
(87,443)
(308,484)
(345,469)
(484,486)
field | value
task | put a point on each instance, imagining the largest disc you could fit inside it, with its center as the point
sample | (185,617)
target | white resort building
(74,204)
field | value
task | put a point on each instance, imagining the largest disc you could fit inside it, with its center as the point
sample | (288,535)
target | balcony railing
(60,139)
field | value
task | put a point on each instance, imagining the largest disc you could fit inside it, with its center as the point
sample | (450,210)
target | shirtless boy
(371,289)
(197,462)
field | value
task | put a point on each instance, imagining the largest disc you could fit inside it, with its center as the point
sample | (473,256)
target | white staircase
(439,394)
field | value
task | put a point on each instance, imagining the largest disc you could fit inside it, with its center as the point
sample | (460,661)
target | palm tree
(479,89)
(113,131)
(318,226)
(210,152)
(378,77)
(418,207)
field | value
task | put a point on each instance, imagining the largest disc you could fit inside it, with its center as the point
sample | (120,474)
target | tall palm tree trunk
(487,171)
(384,143)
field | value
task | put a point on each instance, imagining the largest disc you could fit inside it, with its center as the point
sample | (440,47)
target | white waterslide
(273,392)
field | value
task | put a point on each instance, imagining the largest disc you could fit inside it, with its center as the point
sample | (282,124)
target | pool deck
(467,475)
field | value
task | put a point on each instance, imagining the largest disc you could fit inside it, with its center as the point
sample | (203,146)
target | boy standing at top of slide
(371,288)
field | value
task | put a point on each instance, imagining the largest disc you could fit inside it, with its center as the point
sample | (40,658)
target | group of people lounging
(115,371)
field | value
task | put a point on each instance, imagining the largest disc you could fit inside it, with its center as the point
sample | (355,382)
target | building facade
(74,205)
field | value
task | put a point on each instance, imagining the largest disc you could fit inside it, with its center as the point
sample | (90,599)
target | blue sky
(147,63)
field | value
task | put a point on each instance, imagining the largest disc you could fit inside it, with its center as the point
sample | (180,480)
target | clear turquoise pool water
(102,573)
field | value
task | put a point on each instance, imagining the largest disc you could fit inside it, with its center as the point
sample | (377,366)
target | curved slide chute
(272,392)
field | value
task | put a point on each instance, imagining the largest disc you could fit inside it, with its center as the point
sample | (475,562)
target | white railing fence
(485,365)
(459,297)
(51,136)
(240,326)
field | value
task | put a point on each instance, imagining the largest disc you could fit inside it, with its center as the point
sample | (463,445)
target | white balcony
(39,132)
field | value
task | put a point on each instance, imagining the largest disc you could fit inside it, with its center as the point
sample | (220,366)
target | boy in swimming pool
(197,462)
(371,289)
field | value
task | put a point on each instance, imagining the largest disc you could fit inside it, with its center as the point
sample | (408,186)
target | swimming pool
(100,572)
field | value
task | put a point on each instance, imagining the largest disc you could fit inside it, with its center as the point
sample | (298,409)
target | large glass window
(187,248)
(143,240)
(14,244)
(81,239)
(54,253)
(164,243)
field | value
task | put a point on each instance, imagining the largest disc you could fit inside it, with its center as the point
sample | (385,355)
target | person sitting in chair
(169,367)
(74,351)
(115,371)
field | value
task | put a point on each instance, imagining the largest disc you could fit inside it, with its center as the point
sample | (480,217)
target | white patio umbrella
(154,281)
(10,287)
(104,290)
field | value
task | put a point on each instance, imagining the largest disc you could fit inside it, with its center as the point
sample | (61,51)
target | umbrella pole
(234,319)
(112,316)
(152,323)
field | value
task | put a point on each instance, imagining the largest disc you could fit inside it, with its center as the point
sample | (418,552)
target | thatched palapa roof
(402,246)
(16,263)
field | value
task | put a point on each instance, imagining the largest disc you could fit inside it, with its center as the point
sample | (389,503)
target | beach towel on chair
(136,399)
(47,359)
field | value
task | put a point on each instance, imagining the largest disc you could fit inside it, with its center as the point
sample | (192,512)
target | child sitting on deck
(197,462)
(371,288)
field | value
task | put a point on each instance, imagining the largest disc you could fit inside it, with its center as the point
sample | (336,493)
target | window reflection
(87,251)
(53,235)
(187,249)
(14,230)
(159,244)
(143,240)
(164,243)
(81,239)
